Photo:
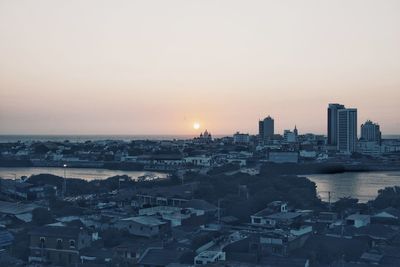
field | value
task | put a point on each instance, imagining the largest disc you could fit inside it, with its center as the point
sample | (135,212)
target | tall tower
(347,130)
(266,128)
(332,123)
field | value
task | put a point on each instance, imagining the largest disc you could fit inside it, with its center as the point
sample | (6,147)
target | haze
(156,67)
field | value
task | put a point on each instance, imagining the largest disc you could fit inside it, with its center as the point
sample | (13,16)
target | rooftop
(15,208)
(146,220)
(56,231)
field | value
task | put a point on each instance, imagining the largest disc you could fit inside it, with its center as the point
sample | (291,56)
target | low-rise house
(201,207)
(279,219)
(207,257)
(175,215)
(20,211)
(165,196)
(203,161)
(145,226)
(274,207)
(282,243)
(387,216)
(358,220)
(58,245)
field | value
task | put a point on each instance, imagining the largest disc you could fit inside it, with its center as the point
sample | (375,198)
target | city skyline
(131,68)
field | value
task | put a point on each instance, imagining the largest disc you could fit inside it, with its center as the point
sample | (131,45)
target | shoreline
(299,169)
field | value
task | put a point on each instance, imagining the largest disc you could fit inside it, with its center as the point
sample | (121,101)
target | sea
(361,185)
(83,138)
(87,174)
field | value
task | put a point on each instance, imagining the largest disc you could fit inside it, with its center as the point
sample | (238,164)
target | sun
(196,125)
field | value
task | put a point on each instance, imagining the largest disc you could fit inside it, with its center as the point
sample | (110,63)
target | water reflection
(361,185)
(86,174)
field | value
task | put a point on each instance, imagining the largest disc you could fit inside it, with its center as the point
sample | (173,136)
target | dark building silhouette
(333,122)
(347,130)
(266,128)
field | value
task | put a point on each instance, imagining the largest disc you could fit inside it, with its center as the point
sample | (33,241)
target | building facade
(266,128)
(57,245)
(333,122)
(347,130)
(371,132)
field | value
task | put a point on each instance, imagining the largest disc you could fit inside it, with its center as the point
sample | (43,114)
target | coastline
(269,168)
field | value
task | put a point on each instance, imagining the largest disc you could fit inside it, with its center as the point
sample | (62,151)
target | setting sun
(196,125)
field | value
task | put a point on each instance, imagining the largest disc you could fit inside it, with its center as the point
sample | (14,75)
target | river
(361,185)
(86,174)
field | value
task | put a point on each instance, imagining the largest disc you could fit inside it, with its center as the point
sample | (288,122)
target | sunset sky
(157,67)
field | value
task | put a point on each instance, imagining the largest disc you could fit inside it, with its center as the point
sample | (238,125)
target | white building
(198,161)
(207,257)
(241,138)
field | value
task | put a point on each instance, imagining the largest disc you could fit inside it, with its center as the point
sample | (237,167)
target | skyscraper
(332,123)
(347,130)
(371,132)
(266,128)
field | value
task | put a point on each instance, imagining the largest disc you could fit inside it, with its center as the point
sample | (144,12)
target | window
(72,243)
(59,244)
(256,220)
(42,242)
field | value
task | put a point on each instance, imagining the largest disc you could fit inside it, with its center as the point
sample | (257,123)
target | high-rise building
(347,130)
(266,128)
(332,123)
(371,132)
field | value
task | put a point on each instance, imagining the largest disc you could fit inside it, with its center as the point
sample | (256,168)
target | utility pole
(64,186)
(219,212)
(329,200)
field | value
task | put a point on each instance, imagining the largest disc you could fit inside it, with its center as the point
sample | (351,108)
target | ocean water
(84,173)
(361,185)
(83,138)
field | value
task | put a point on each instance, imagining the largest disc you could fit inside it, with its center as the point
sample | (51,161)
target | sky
(157,67)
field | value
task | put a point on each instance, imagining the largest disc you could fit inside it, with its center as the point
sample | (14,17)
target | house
(207,257)
(202,160)
(387,216)
(276,219)
(18,210)
(175,215)
(282,243)
(201,207)
(358,220)
(274,207)
(146,226)
(57,245)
